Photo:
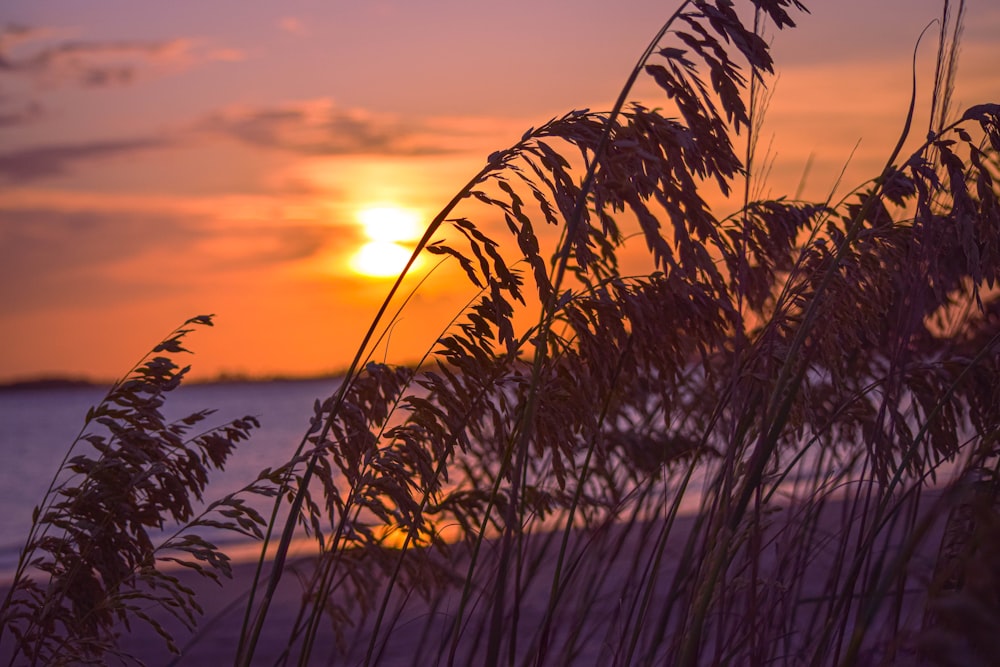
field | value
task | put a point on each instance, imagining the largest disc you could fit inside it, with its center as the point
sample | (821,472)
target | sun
(390,224)
(379,259)
(391,230)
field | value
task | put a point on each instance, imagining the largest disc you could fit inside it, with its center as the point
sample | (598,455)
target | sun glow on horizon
(391,230)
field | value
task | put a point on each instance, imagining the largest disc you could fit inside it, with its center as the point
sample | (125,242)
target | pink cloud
(32,52)
(293,25)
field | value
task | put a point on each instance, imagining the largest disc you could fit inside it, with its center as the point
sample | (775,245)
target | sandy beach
(594,612)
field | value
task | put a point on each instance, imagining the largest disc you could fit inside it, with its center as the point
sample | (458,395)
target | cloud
(311,129)
(96,64)
(292,25)
(51,257)
(62,258)
(256,245)
(13,34)
(318,127)
(30,164)
(26,113)
(226,55)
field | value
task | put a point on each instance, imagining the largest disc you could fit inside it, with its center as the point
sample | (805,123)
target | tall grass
(724,457)
(120,507)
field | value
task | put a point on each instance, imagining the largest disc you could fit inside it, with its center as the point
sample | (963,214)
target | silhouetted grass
(723,459)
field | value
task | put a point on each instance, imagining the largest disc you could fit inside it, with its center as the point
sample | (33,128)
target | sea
(38,425)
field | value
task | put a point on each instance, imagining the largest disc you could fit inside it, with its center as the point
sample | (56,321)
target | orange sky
(163,160)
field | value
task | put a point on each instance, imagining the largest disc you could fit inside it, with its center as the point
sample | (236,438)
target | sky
(248,159)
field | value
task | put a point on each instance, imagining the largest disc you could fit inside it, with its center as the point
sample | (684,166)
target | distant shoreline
(47,384)
(60,383)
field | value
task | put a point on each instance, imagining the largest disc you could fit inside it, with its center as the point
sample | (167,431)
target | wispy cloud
(46,58)
(95,64)
(52,257)
(59,258)
(17,114)
(12,35)
(293,25)
(31,164)
(308,129)
(318,127)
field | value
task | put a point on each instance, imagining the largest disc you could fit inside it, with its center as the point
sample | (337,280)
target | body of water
(37,426)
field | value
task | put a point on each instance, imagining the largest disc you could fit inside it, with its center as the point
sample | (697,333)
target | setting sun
(391,230)
(390,224)
(380,259)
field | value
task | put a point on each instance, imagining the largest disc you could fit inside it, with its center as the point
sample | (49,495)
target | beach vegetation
(657,434)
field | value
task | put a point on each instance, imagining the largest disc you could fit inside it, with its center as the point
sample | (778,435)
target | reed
(731,456)
(121,506)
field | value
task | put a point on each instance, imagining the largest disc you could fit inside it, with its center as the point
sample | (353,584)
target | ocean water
(37,427)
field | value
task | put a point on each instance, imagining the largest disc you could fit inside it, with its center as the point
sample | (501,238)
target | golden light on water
(391,229)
